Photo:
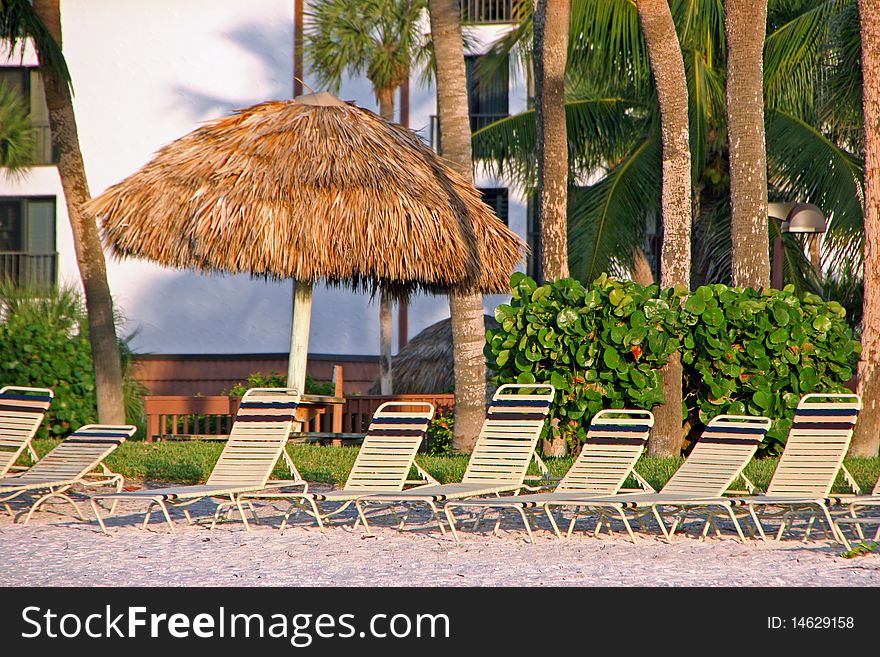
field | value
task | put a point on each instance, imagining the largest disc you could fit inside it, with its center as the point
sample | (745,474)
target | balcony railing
(28,268)
(477,121)
(484,12)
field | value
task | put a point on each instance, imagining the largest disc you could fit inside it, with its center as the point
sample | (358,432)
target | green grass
(190,462)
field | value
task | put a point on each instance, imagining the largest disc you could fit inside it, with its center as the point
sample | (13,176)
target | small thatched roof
(310,189)
(425,364)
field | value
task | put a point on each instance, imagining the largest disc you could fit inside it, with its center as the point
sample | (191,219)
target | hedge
(602,346)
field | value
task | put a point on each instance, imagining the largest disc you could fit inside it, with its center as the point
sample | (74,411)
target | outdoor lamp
(803,218)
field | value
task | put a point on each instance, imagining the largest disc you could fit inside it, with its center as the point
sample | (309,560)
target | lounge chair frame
(809,466)
(22,410)
(76,461)
(717,460)
(383,464)
(499,463)
(615,441)
(257,441)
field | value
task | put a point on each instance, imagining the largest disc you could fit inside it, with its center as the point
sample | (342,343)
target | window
(27,240)
(28,83)
(488,93)
(496,198)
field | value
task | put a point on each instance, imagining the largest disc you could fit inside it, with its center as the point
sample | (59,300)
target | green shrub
(278,380)
(602,346)
(440,432)
(752,353)
(44,343)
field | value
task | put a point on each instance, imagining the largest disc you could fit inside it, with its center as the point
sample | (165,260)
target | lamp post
(795,218)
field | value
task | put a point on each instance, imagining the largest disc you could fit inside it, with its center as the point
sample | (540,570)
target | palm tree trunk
(745,25)
(551,55)
(675,258)
(87,244)
(866,439)
(386,384)
(468,330)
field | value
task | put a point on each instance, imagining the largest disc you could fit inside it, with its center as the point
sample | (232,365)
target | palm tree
(615,141)
(41,21)
(745,25)
(17,143)
(379,38)
(672,94)
(468,331)
(551,54)
(866,440)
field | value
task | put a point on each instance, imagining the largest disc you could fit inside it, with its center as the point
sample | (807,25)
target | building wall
(145,74)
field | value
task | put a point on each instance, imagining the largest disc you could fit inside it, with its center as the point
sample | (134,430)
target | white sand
(56,550)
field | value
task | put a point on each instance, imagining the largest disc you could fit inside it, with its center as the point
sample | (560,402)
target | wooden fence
(212,416)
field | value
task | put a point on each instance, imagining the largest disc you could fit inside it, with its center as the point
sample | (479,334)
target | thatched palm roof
(425,364)
(310,189)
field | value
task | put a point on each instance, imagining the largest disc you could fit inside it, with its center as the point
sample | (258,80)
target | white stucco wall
(147,73)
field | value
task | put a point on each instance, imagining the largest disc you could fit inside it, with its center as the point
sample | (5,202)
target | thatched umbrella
(310,189)
(425,364)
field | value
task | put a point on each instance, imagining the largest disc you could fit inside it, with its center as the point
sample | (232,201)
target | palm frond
(607,220)
(17,137)
(18,22)
(707,108)
(806,165)
(601,130)
(792,54)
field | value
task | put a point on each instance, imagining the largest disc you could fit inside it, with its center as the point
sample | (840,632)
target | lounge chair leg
(498,523)
(240,508)
(363,518)
(757,522)
(552,521)
(403,521)
(317,513)
(147,515)
(167,516)
(830,521)
(8,510)
(675,524)
(525,520)
(188,516)
(736,525)
(436,513)
(661,524)
(98,516)
(781,528)
(45,498)
(479,519)
(859,532)
(571,525)
(809,528)
(450,518)
(254,513)
(627,525)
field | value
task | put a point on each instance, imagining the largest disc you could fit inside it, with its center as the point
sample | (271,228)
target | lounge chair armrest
(850,480)
(426,477)
(641,481)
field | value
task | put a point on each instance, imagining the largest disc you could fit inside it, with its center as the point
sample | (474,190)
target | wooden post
(336,412)
(299,335)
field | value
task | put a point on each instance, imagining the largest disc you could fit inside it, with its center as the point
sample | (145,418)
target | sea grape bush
(752,353)
(602,346)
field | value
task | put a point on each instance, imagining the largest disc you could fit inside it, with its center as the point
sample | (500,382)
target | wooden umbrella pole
(299,335)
